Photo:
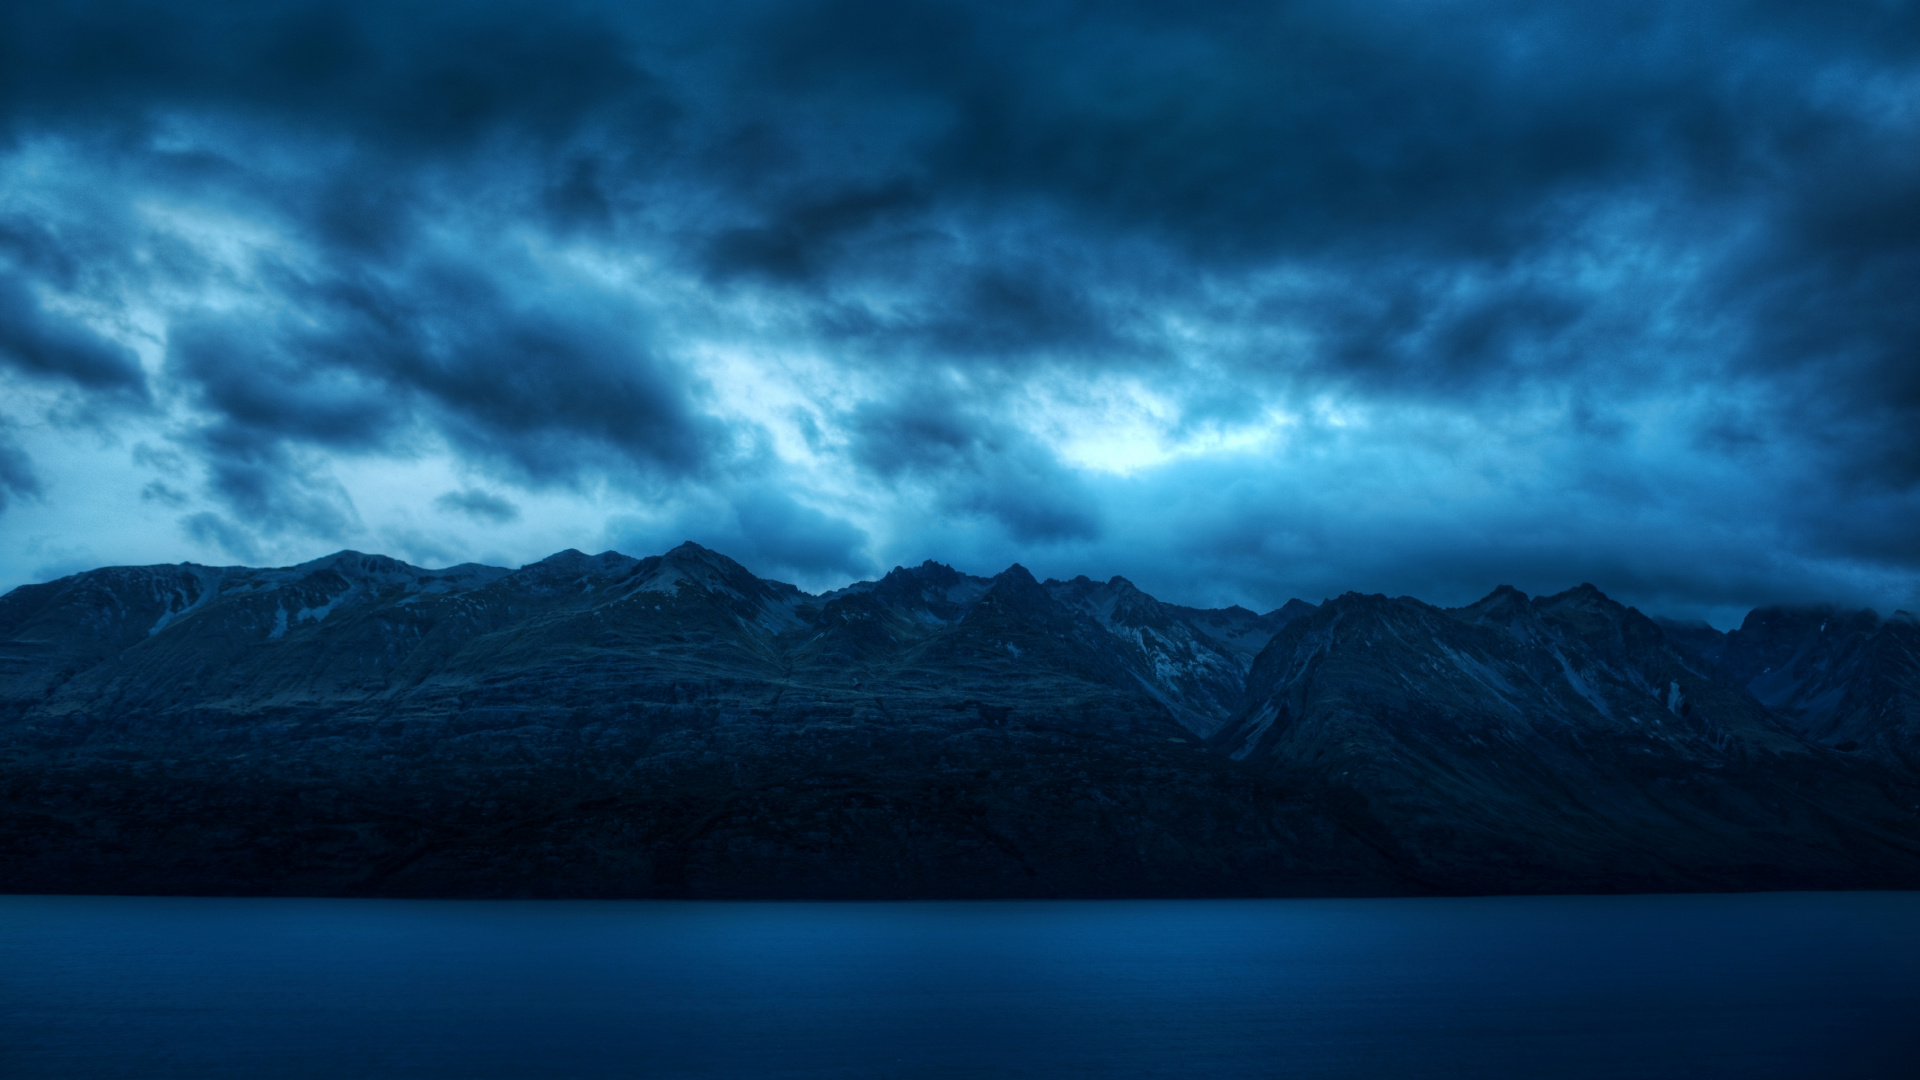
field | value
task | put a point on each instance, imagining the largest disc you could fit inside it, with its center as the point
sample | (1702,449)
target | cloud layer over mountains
(1280,299)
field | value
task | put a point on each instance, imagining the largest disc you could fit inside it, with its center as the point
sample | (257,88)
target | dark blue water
(1782,985)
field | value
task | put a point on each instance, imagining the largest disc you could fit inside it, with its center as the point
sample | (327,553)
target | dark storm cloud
(543,387)
(1017,309)
(778,531)
(272,490)
(211,528)
(479,505)
(975,465)
(359,111)
(418,80)
(1830,308)
(543,380)
(1398,149)
(1241,128)
(1674,243)
(16,469)
(802,237)
(35,342)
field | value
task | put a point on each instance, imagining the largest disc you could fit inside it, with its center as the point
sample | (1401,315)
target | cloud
(213,529)
(430,79)
(273,490)
(17,476)
(793,247)
(1285,297)
(36,343)
(520,374)
(164,493)
(974,464)
(478,505)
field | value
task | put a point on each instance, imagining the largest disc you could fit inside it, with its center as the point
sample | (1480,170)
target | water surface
(1772,985)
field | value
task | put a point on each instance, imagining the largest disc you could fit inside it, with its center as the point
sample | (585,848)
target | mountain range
(677,726)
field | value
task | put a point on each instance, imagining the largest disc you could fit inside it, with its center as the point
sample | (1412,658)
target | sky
(1242,301)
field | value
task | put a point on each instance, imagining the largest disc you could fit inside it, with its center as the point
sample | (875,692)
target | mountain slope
(677,726)
(1846,679)
(1563,742)
(602,725)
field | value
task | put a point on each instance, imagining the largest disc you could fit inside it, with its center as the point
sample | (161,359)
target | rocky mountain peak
(936,589)
(688,553)
(928,574)
(1350,605)
(1018,574)
(691,556)
(1287,612)
(1584,609)
(1016,589)
(1115,603)
(348,559)
(1696,635)
(572,571)
(564,558)
(1501,608)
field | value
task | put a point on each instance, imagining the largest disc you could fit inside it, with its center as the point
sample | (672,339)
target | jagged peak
(1294,608)
(701,566)
(1018,574)
(565,555)
(343,553)
(930,583)
(1354,608)
(346,556)
(1353,603)
(353,565)
(575,561)
(467,568)
(927,568)
(1498,608)
(1084,585)
(929,574)
(1354,598)
(1586,610)
(690,552)
(1018,584)
(1585,595)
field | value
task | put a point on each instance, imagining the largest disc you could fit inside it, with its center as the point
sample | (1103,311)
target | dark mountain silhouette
(1556,743)
(1847,679)
(676,726)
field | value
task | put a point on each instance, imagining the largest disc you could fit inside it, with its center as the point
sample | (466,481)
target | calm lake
(1775,985)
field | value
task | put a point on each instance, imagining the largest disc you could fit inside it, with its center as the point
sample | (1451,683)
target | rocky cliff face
(676,726)
(1845,679)
(1558,742)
